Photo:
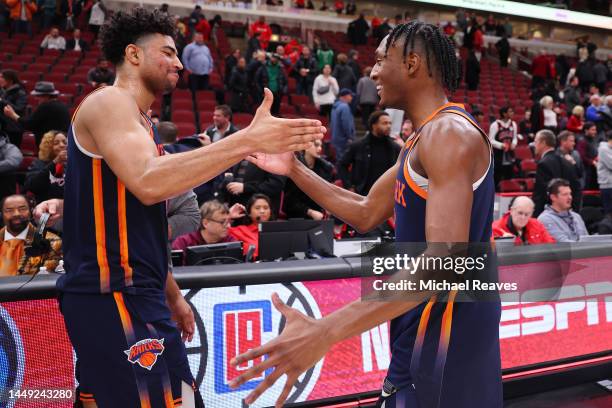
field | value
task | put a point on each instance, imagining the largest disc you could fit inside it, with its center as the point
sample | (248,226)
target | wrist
(295,167)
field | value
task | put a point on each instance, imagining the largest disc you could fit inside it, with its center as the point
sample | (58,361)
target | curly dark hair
(126,28)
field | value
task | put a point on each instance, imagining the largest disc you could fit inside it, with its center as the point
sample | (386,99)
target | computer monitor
(283,239)
(214,254)
(177,256)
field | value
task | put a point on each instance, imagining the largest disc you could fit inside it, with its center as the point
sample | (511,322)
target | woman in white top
(97,16)
(549,114)
(324,91)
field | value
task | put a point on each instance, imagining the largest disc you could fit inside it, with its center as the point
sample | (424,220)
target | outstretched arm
(449,164)
(132,156)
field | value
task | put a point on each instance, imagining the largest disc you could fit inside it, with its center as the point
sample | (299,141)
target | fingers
(264,385)
(280,305)
(308,130)
(286,390)
(253,372)
(252,354)
(297,123)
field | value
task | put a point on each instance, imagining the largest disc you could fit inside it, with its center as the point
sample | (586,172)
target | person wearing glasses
(216,220)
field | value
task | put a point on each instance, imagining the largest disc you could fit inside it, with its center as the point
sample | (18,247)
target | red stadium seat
(185,129)
(206,104)
(182,116)
(529,167)
(182,104)
(510,186)
(523,152)
(299,100)
(28,144)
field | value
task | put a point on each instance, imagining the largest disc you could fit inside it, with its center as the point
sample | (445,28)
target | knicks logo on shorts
(145,352)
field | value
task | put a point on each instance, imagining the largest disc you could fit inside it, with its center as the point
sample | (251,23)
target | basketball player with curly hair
(117,297)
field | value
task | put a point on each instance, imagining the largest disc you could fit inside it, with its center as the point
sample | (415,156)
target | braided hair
(436,45)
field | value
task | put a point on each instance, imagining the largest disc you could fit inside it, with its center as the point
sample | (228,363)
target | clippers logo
(145,352)
(12,357)
(239,326)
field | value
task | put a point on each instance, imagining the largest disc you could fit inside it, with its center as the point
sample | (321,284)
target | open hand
(183,316)
(237,211)
(54,207)
(268,134)
(280,164)
(301,344)
(235,187)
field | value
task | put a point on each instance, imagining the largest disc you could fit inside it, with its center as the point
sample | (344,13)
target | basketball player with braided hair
(117,296)
(444,353)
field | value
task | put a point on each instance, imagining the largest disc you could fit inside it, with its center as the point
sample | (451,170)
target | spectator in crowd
(358,31)
(101,74)
(168,133)
(518,223)
(563,224)
(503,50)
(594,109)
(525,129)
(551,166)
(571,94)
(600,72)
(222,124)
(230,62)
(549,113)
(608,105)
(477,39)
(370,157)
(253,67)
(490,26)
(49,115)
(342,122)
(472,71)
(462,19)
(216,218)
(272,76)
(587,145)
(407,129)
(367,95)
(10,159)
(353,63)
(243,180)
(576,120)
(503,134)
(265,32)
(397,120)
(76,43)
(45,178)
(604,172)
(195,17)
(48,10)
(585,73)
(21,12)
(324,6)
(17,255)
(97,16)
(198,62)
(344,74)
(53,40)
(382,30)
(540,69)
(12,93)
(605,225)
(253,45)
(258,209)
(203,27)
(183,215)
(325,56)
(297,203)
(238,85)
(566,149)
(508,27)
(339,6)
(324,91)
(351,8)
(305,71)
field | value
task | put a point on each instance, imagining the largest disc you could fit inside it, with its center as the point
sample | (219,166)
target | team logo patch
(145,352)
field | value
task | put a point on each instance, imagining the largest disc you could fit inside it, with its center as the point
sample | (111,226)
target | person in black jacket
(503,49)
(51,114)
(272,76)
(297,204)
(230,62)
(370,156)
(551,166)
(76,43)
(253,66)
(472,71)
(358,31)
(45,178)
(305,71)
(344,73)
(238,86)
(12,93)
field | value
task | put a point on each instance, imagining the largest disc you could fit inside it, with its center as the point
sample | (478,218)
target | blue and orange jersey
(447,350)
(112,241)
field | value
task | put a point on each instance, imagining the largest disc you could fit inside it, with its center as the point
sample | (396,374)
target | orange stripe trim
(144,400)
(423,322)
(168,397)
(123,234)
(447,320)
(85,395)
(413,186)
(100,226)
(126,320)
(434,113)
(86,399)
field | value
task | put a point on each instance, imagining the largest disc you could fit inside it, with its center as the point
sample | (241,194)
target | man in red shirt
(519,223)
(264,30)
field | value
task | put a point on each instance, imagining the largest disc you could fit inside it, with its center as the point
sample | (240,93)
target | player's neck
(143,97)
(420,105)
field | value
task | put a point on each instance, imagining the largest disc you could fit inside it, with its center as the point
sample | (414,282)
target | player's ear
(132,54)
(413,62)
